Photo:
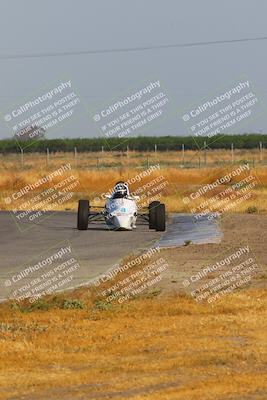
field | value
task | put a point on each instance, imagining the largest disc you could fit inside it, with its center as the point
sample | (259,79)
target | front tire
(152,214)
(160,218)
(83,214)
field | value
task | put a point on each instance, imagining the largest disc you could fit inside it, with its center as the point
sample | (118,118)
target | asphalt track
(96,250)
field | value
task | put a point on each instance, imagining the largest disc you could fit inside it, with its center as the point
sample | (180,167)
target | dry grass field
(149,348)
(96,173)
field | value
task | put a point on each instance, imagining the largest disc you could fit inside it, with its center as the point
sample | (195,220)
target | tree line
(141,143)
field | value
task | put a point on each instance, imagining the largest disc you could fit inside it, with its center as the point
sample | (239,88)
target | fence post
(183,155)
(22,157)
(261,152)
(205,153)
(75,156)
(232,153)
(47,156)
(155,149)
(102,149)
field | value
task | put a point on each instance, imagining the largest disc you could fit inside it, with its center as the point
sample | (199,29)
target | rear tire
(83,214)
(152,214)
(160,218)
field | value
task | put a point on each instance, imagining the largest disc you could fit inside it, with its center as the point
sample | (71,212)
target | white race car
(120,211)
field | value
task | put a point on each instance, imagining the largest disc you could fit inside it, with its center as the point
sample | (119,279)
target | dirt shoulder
(239,231)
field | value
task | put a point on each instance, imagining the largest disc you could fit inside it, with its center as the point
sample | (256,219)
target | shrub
(73,305)
(252,210)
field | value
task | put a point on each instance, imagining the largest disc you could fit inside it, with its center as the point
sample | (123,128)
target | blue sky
(189,74)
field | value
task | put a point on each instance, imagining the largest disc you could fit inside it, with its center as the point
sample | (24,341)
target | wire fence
(129,158)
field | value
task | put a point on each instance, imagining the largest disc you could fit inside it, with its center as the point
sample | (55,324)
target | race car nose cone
(121,222)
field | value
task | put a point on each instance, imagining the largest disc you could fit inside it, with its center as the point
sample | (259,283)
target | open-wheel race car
(121,212)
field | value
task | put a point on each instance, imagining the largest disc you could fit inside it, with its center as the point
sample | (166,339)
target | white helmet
(121,190)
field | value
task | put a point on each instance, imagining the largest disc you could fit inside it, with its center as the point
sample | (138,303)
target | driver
(120,190)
